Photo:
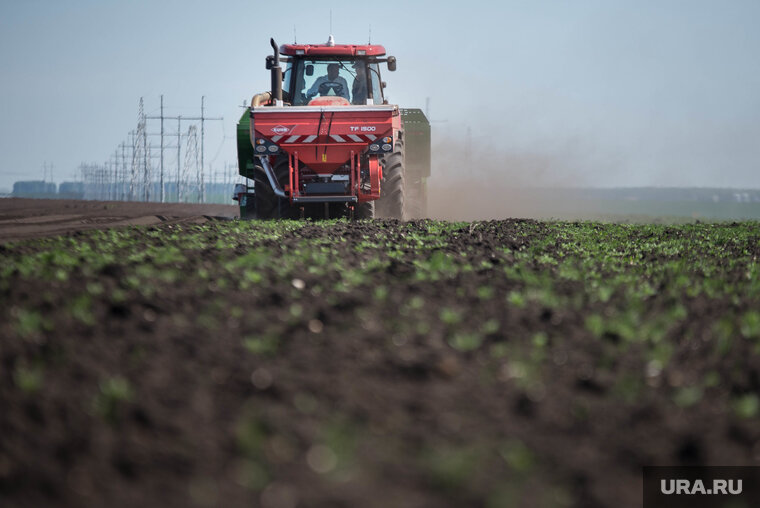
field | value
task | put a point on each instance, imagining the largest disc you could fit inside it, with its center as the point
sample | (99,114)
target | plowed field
(374,363)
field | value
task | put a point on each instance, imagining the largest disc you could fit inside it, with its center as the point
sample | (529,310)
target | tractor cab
(333,74)
(324,142)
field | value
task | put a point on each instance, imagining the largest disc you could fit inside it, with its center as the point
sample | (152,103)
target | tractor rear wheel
(268,204)
(391,202)
(365,210)
(266,201)
(248,206)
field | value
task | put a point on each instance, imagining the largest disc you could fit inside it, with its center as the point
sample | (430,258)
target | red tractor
(324,142)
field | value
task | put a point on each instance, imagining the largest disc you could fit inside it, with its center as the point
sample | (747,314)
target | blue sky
(613,93)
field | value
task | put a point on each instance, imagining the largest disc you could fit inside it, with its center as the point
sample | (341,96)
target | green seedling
(28,379)
(747,406)
(112,395)
(262,345)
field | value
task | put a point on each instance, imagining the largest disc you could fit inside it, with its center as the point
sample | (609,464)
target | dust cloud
(491,182)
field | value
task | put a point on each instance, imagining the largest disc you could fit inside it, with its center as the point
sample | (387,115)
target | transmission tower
(123,190)
(47,170)
(129,175)
(96,181)
(203,119)
(140,153)
(191,168)
(142,136)
(135,166)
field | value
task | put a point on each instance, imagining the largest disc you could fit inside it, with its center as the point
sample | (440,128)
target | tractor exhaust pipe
(276,75)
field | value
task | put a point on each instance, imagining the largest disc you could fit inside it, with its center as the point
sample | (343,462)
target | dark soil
(31,218)
(370,380)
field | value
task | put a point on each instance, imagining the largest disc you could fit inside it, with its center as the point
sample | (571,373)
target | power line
(129,172)
(203,118)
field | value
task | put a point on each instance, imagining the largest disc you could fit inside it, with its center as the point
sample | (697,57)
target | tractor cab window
(363,70)
(286,83)
(326,78)
(312,78)
(377,91)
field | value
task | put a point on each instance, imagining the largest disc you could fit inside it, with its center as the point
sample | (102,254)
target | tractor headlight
(263,146)
(382,145)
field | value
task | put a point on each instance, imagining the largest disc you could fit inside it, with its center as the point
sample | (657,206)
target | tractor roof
(332,50)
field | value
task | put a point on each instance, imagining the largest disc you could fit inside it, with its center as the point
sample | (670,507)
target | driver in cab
(332,84)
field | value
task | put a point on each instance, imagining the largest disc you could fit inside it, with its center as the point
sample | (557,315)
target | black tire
(248,210)
(365,210)
(391,202)
(268,204)
(266,201)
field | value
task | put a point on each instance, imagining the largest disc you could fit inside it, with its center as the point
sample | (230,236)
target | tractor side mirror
(270,62)
(391,63)
(309,70)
